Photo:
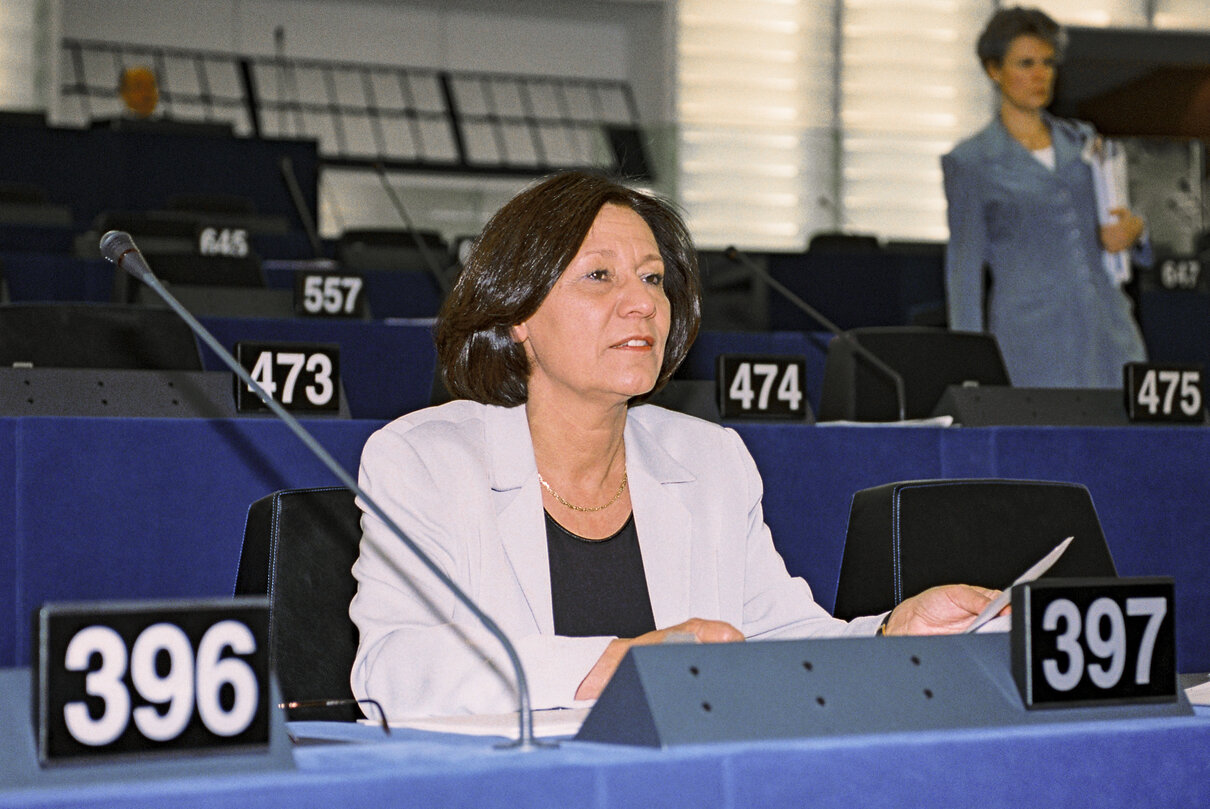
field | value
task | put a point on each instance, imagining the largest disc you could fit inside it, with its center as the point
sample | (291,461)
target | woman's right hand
(1123,232)
(701,630)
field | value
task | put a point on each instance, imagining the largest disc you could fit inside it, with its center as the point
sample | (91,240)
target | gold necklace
(557,496)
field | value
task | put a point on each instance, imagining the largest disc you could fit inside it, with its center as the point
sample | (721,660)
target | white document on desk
(547,723)
(985,619)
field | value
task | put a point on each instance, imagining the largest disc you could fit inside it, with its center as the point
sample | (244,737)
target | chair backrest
(299,548)
(906,537)
(392,249)
(93,335)
(928,359)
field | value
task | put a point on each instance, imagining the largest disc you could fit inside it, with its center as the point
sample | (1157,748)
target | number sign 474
(761,386)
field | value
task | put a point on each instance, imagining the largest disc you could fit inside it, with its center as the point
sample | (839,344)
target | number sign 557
(328,295)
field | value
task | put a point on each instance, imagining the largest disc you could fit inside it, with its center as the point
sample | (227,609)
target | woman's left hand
(940,610)
(1122,234)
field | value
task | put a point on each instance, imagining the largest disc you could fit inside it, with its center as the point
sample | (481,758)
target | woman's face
(599,335)
(1026,77)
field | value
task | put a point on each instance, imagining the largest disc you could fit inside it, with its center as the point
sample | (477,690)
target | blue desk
(1127,764)
(155,508)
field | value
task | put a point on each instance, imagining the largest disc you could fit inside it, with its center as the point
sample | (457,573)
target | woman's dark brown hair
(517,260)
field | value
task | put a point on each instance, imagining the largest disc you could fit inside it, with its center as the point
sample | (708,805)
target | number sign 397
(1094,641)
(299,376)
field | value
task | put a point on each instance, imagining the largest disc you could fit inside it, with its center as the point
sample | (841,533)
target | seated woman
(581,520)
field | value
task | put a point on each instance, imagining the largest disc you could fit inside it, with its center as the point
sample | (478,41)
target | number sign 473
(298,376)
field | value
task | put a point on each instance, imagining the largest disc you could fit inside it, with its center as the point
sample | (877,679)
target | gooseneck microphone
(300,205)
(443,283)
(734,254)
(120,248)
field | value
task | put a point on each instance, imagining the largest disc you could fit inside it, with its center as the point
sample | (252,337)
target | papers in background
(928,421)
(1108,161)
(1199,694)
(547,723)
(1001,601)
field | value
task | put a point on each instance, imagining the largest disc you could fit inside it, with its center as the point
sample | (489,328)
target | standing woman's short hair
(515,263)
(1009,23)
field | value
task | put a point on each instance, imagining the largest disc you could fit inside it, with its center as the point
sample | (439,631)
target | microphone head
(116,245)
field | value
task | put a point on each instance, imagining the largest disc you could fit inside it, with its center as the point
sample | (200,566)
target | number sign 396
(156,676)
(299,376)
(1094,641)
(752,386)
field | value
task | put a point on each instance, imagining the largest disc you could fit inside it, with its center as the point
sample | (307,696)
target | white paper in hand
(1001,601)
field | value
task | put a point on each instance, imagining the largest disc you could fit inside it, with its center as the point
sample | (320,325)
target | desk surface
(1126,763)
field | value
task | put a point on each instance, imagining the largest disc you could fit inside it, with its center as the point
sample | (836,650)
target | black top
(597,586)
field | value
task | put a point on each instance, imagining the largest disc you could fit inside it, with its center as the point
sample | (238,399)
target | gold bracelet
(882,626)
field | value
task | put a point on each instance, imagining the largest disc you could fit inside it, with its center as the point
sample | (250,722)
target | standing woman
(1022,208)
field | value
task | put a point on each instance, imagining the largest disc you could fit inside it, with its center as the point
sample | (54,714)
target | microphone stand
(434,267)
(300,206)
(890,373)
(119,248)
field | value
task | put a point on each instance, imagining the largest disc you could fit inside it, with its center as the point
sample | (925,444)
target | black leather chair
(928,359)
(906,537)
(299,548)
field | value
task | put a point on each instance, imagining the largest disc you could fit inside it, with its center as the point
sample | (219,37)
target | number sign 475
(1164,392)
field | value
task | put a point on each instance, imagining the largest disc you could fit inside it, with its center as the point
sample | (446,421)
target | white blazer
(461,481)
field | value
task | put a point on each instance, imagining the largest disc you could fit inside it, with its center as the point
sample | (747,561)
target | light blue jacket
(461,481)
(1058,318)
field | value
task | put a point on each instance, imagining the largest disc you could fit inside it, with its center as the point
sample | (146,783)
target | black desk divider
(996,405)
(123,393)
(19,761)
(675,694)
